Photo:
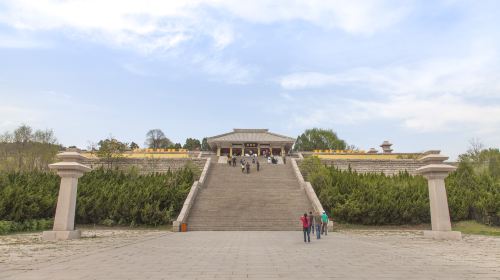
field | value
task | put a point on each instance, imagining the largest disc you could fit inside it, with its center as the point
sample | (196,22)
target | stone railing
(309,190)
(190,199)
(311,195)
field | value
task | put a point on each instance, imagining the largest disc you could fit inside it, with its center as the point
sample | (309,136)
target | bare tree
(6,137)
(475,146)
(44,136)
(23,134)
(156,139)
(24,150)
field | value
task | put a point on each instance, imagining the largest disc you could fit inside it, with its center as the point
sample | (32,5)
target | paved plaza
(258,255)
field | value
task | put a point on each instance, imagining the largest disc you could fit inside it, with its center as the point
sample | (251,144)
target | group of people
(311,223)
(245,164)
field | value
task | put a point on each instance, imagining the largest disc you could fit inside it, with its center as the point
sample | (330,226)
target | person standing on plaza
(258,165)
(234,161)
(317,223)
(242,167)
(305,227)
(324,223)
(284,159)
(248,167)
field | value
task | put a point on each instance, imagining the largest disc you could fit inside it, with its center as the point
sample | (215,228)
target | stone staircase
(270,199)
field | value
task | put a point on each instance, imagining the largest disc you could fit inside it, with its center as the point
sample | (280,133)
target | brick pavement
(272,255)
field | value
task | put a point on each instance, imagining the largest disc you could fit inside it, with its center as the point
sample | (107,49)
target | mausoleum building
(250,141)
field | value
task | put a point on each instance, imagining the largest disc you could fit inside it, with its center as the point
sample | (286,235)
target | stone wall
(147,165)
(388,167)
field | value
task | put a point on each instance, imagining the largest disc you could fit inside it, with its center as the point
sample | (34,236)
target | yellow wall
(358,156)
(145,155)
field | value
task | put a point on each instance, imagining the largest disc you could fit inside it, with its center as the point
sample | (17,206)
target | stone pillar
(282,151)
(435,172)
(243,149)
(230,151)
(70,169)
(258,150)
(218,151)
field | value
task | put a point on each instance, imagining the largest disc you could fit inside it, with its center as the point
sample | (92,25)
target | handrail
(307,187)
(190,199)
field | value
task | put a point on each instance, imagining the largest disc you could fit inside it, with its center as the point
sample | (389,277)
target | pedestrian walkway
(273,255)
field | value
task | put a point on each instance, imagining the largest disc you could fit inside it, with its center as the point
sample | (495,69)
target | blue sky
(422,74)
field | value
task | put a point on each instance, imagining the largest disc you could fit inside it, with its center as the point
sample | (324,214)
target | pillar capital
(435,170)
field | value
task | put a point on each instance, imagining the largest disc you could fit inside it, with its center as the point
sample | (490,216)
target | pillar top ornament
(434,165)
(433,159)
(70,161)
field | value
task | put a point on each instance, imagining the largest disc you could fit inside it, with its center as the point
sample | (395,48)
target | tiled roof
(250,135)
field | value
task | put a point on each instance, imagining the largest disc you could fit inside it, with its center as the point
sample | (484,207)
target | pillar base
(443,235)
(55,235)
(176,226)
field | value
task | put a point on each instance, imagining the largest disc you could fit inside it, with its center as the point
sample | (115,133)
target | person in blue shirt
(324,223)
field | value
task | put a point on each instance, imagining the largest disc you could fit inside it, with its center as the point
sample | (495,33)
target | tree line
(27,149)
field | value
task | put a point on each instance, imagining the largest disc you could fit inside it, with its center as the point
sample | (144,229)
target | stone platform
(257,255)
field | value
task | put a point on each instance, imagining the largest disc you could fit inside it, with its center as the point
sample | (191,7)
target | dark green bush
(28,195)
(127,198)
(104,196)
(28,225)
(377,199)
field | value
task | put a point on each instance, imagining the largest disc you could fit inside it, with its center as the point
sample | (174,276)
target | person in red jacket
(305,227)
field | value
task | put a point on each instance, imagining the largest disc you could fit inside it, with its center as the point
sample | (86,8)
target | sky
(421,74)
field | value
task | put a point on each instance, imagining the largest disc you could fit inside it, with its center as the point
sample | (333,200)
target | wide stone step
(243,228)
(270,199)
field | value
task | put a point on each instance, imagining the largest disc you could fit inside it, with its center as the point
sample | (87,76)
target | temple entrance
(276,151)
(237,152)
(224,151)
(251,151)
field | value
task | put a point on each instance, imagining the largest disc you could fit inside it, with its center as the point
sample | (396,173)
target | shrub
(104,196)
(377,199)
(7,227)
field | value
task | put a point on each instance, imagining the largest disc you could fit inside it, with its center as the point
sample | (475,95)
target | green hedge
(115,197)
(377,199)
(104,196)
(28,225)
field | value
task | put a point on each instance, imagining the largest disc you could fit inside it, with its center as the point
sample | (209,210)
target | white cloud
(446,112)
(477,75)
(434,95)
(353,16)
(147,26)
(156,25)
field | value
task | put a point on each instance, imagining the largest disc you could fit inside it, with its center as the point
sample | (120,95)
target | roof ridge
(250,130)
(280,135)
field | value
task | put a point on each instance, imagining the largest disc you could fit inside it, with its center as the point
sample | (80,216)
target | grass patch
(473,227)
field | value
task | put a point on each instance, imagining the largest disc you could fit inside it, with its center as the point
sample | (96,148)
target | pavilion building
(250,141)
